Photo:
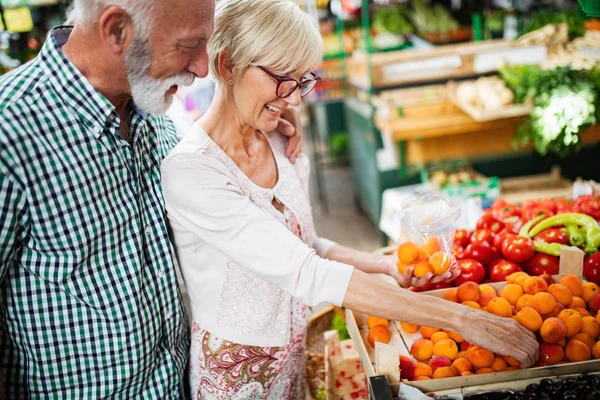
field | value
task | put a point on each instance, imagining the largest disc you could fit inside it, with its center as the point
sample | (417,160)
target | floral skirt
(223,370)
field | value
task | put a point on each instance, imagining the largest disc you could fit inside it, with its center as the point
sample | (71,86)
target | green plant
(391,20)
(565,103)
(574,18)
(338,323)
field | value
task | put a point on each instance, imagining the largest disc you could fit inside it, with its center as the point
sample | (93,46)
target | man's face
(174,54)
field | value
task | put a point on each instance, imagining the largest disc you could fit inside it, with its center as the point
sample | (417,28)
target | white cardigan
(240,263)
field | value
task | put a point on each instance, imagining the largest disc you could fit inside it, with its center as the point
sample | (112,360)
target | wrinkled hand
(407,279)
(503,336)
(290,124)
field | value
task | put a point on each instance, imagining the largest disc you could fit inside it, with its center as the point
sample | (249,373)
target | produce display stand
(383,360)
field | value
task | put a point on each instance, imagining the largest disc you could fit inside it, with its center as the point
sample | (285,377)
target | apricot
(512,278)
(590,289)
(521,280)
(436,337)
(535,285)
(573,282)
(427,331)
(591,327)
(511,292)
(422,349)
(551,354)
(446,347)
(402,267)
(577,351)
(468,291)
(530,319)
(562,343)
(472,304)
(480,358)
(577,302)
(583,312)
(524,301)
(573,321)
(553,330)
(409,328)
(543,303)
(485,298)
(422,370)
(439,362)
(557,309)
(450,295)
(374,321)
(487,289)
(461,354)
(500,306)
(406,367)
(499,364)
(466,373)
(488,370)
(584,338)
(512,362)
(427,249)
(596,350)
(561,294)
(445,372)
(422,268)
(456,337)
(407,253)
(378,333)
(422,378)
(440,261)
(462,364)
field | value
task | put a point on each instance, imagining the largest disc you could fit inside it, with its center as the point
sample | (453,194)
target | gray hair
(140,11)
(272,33)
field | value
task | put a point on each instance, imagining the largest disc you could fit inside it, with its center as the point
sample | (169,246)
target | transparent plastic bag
(427,228)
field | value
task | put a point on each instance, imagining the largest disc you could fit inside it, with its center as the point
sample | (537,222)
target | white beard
(150,94)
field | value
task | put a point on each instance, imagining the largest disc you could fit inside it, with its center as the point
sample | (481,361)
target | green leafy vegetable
(338,323)
(575,19)
(391,20)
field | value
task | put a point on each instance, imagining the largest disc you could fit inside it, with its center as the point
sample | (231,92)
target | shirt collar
(95,109)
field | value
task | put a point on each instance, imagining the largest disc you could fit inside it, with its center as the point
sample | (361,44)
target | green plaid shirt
(89,301)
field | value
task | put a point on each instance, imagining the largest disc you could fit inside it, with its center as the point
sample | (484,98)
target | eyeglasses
(286,85)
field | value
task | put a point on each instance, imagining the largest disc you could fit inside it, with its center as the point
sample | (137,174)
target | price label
(18,20)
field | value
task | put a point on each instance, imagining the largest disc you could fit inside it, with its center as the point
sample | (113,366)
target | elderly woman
(243,229)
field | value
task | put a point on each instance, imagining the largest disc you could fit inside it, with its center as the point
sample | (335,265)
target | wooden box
(376,364)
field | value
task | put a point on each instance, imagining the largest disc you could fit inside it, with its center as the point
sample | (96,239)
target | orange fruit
(524,301)
(483,289)
(409,328)
(378,333)
(481,358)
(577,351)
(499,364)
(584,338)
(422,268)
(436,337)
(512,278)
(446,347)
(374,321)
(591,327)
(500,306)
(472,304)
(450,295)
(428,248)
(573,282)
(511,292)
(543,303)
(440,261)
(573,321)
(427,331)
(402,267)
(561,293)
(407,252)
(456,337)
(462,364)
(596,350)
(488,370)
(535,285)
(422,370)
(468,291)
(590,289)
(530,319)
(577,303)
(422,349)
(553,330)
(445,372)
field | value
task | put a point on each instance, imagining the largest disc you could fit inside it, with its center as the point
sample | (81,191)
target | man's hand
(290,125)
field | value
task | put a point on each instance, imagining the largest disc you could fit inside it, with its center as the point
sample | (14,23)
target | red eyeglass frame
(280,79)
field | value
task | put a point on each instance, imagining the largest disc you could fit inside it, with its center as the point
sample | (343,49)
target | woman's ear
(226,67)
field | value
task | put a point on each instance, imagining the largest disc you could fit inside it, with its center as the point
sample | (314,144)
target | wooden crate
(375,363)
(439,63)
(552,185)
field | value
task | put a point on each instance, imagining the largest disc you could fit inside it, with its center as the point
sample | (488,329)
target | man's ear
(225,66)
(116,29)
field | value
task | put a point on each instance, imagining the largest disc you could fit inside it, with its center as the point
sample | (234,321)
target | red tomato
(499,239)
(462,237)
(564,206)
(513,224)
(499,203)
(457,250)
(501,271)
(553,235)
(542,264)
(549,204)
(491,223)
(479,251)
(483,235)
(529,203)
(518,249)
(589,205)
(531,213)
(506,212)
(591,268)
(470,271)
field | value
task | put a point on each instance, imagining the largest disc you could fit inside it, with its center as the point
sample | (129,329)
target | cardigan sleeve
(201,197)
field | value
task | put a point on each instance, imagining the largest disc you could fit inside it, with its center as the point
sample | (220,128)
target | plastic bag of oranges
(427,226)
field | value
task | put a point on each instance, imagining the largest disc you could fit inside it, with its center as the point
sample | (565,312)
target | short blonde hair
(275,34)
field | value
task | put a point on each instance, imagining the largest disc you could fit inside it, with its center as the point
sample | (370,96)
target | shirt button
(161,274)
(148,231)
(97,129)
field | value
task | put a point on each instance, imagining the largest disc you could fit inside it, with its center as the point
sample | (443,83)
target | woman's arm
(501,335)
(385,264)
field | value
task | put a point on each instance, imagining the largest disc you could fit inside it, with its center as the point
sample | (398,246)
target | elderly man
(89,301)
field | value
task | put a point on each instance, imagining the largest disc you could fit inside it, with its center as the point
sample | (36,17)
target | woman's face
(257,101)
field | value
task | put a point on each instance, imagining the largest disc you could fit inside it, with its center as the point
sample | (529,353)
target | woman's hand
(503,336)
(408,279)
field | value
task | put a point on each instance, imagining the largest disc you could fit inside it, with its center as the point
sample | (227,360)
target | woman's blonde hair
(275,34)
